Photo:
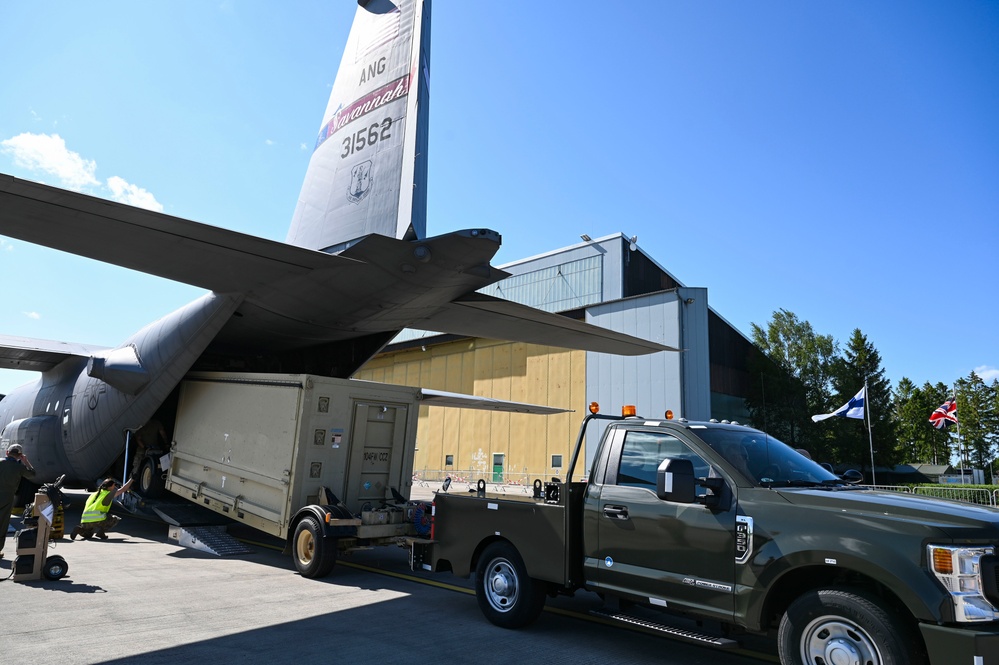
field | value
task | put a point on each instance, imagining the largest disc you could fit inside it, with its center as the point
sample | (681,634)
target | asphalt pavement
(139,597)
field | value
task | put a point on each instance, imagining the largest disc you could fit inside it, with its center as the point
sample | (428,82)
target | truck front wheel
(506,595)
(839,626)
(313,552)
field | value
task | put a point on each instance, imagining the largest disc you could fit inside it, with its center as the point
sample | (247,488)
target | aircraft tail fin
(368,172)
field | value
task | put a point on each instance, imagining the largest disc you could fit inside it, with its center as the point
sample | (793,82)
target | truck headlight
(959,570)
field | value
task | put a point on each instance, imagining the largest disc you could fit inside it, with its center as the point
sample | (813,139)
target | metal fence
(982,497)
(889,488)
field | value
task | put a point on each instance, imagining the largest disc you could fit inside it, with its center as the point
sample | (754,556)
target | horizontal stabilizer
(40,355)
(479,315)
(442,398)
(189,252)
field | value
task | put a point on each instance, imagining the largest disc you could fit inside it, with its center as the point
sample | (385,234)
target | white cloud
(124,192)
(987,374)
(302,146)
(32,315)
(6,245)
(268,142)
(48,154)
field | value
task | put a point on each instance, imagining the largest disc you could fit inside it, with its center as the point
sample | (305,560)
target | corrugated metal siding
(679,381)
(564,286)
(504,370)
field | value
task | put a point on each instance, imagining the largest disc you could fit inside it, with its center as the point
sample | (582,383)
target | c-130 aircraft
(355,270)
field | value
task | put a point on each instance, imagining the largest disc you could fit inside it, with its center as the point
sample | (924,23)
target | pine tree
(793,383)
(977,414)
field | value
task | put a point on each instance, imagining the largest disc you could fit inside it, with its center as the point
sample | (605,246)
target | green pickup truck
(723,524)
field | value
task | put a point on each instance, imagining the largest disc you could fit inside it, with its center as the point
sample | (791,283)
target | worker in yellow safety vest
(95,520)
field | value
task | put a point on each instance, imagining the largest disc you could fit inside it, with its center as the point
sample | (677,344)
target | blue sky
(839,160)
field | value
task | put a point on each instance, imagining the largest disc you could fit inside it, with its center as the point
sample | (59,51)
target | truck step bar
(663,629)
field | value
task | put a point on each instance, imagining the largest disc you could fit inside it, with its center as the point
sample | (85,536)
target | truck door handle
(616,512)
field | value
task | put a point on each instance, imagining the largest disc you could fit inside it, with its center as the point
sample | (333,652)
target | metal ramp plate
(212,539)
(188,514)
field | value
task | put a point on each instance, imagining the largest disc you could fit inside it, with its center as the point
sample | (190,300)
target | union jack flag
(944,414)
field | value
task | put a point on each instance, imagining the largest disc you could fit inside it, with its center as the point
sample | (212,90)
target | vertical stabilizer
(368,172)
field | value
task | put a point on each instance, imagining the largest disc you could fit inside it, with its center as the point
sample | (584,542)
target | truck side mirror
(853,477)
(675,481)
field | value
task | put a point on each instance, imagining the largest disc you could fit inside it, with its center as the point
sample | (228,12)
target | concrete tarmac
(141,598)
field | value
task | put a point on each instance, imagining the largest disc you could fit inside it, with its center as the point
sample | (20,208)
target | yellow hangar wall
(517,372)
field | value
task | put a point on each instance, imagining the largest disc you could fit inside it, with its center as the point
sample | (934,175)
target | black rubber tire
(506,595)
(151,483)
(825,623)
(314,554)
(25,493)
(55,568)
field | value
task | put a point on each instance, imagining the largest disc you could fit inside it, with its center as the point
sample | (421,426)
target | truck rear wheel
(314,553)
(506,595)
(839,626)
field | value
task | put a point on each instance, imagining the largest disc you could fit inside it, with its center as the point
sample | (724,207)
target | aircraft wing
(39,355)
(443,398)
(189,252)
(479,315)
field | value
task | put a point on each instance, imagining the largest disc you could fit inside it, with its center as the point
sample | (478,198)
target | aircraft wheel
(314,553)
(55,568)
(151,482)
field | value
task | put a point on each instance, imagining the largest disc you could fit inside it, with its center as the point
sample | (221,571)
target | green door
(498,467)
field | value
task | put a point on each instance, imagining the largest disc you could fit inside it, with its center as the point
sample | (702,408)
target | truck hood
(955,519)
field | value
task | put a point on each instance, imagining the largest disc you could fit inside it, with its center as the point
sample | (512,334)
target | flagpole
(870,438)
(960,446)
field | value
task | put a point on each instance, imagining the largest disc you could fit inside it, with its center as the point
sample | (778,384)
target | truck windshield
(764,459)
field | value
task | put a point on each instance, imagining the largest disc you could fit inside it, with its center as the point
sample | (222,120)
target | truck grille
(989,567)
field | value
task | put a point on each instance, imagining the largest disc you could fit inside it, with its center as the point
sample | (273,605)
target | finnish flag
(852,409)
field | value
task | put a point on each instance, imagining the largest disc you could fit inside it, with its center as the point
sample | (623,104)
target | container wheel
(314,553)
(506,595)
(55,568)
(842,626)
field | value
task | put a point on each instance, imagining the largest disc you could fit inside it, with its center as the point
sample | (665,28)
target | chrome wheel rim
(501,585)
(835,641)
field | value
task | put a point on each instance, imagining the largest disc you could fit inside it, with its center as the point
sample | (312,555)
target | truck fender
(787,575)
(321,513)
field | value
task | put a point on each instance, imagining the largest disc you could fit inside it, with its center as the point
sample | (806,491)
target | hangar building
(609,282)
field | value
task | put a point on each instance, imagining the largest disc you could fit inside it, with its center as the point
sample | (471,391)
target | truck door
(675,555)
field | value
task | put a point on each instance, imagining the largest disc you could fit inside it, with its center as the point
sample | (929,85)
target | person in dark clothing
(14,466)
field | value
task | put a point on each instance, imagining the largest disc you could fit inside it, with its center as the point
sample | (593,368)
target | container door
(377,451)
